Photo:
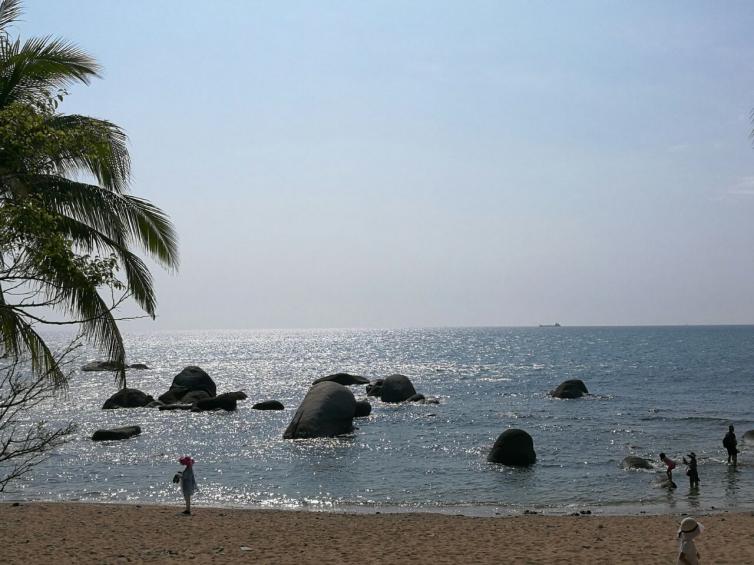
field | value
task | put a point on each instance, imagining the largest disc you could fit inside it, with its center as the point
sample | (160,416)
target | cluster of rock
(328,409)
(192,389)
(395,389)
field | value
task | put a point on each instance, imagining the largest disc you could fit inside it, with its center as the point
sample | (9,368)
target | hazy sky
(382,164)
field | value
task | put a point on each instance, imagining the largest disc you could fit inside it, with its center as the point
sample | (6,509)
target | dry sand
(103,533)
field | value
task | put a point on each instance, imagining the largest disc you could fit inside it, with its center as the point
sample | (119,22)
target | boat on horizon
(555,325)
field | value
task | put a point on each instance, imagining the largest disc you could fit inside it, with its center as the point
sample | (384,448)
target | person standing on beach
(692,472)
(670,466)
(687,553)
(730,443)
(187,480)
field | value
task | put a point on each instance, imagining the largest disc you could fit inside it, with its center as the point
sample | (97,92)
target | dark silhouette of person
(730,443)
(692,472)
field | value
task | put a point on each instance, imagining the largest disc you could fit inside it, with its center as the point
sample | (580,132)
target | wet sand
(108,533)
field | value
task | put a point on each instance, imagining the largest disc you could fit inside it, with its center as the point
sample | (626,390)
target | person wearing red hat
(187,480)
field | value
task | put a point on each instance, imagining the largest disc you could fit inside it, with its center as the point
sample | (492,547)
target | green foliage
(67,223)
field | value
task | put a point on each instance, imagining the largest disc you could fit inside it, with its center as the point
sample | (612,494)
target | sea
(652,390)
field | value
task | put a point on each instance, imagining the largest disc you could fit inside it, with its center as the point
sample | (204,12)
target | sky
(414,164)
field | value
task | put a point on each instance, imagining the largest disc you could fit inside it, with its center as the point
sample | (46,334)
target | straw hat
(688,525)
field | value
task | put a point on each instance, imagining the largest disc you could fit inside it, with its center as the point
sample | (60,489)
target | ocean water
(671,389)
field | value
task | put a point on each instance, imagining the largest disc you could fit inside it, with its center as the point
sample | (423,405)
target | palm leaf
(10,11)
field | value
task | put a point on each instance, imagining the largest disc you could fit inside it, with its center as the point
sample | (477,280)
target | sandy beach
(105,533)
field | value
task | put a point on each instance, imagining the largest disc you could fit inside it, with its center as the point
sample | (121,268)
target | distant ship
(555,325)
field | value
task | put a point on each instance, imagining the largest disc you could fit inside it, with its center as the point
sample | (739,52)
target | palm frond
(40,65)
(10,11)
(101,149)
(19,338)
(124,219)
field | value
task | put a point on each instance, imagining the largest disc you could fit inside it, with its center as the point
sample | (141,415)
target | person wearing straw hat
(187,480)
(692,472)
(687,532)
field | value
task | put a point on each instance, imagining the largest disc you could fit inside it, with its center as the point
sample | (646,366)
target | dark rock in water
(363,409)
(573,388)
(375,389)
(103,366)
(226,401)
(343,379)
(154,404)
(636,462)
(195,396)
(327,410)
(116,433)
(127,398)
(397,388)
(513,447)
(138,366)
(748,437)
(430,401)
(416,398)
(268,405)
(190,380)
(175,407)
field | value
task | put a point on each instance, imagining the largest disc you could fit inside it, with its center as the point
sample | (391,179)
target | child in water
(187,480)
(692,472)
(687,553)
(670,466)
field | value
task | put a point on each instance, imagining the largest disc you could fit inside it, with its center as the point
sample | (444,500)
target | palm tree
(96,217)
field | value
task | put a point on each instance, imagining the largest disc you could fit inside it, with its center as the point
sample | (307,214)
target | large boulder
(636,462)
(103,366)
(226,401)
(513,447)
(375,388)
(573,388)
(363,409)
(327,410)
(343,379)
(268,405)
(189,380)
(127,398)
(397,388)
(116,433)
(748,437)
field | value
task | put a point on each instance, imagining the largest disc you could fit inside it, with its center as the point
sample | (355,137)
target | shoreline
(627,510)
(75,532)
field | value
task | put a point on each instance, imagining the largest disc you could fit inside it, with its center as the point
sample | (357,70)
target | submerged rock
(363,409)
(141,366)
(375,388)
(127,398)
(175,407)
(513,447)
(226,401)
(636,462)
(327,410)
(572,388)
(104,366)
(748,437)
(397,388)
(269,405)
(343,379)
(116,433)
(416,398)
